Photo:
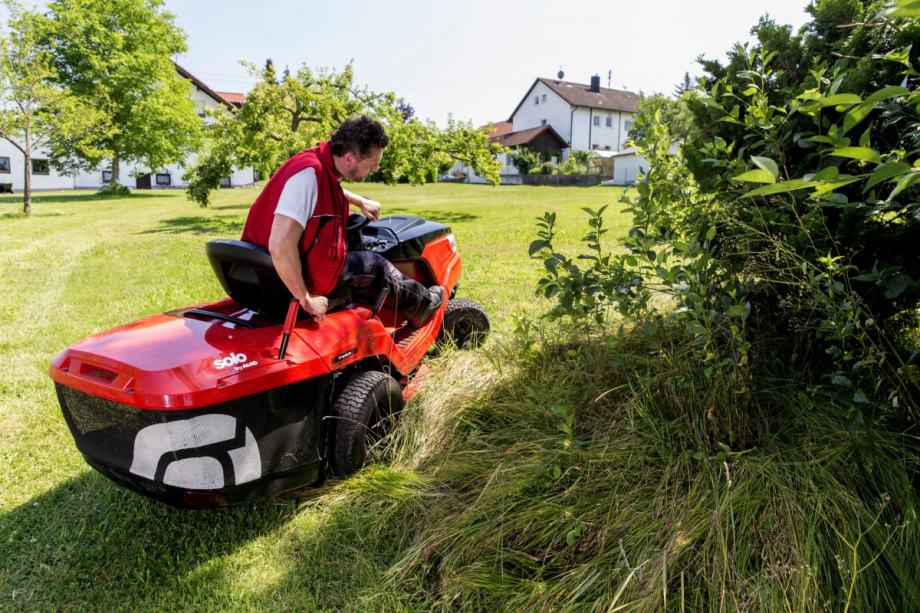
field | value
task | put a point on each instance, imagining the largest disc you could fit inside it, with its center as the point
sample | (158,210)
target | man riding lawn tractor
(301,216)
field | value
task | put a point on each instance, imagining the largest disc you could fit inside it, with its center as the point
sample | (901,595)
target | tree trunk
(27,177)
(27,187)
(115,172)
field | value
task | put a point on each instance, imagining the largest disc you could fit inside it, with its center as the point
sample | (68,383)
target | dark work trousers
(366,273)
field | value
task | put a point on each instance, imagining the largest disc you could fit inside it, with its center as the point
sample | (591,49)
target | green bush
(524,159)
(786,227)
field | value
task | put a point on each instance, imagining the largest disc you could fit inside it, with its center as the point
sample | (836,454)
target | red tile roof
(498,128)
(234,98)
(579,94)
(525,137)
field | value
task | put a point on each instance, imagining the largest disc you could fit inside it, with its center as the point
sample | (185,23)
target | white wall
(127,172)
(603,136)
(627,167)
(556,111)
(16,175)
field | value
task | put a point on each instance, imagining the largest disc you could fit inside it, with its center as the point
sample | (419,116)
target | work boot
(435,299)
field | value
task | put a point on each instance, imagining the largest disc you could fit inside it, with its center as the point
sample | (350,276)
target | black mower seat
(247,274)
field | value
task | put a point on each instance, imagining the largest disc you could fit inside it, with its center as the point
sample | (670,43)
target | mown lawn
(80,264)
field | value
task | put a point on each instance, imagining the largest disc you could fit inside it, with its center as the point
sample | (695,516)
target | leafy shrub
(786,227)
(524,159)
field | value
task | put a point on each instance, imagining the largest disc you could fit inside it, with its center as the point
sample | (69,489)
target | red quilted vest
(322,246)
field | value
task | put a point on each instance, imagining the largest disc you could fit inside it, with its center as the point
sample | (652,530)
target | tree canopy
(115,56)
(34,112)
(284,115)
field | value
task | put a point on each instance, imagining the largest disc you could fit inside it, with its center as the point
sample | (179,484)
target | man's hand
(314,305)
(370,208)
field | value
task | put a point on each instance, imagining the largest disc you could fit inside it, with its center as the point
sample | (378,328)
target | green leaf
(886,172)
(904,8)
(737,310)
(825,187)
(536,247)
(905,182)
(856,114)
(780,188)
(860,397)
(711,233)
(756,176)
(864,154)
(892,91)
(766,164)
(828,173)
(896,286)
(571,536)
(840,100)
(557,472)
(901,56)
(841,381)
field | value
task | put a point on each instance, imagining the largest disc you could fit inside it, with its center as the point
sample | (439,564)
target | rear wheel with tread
(362,410)
(465,323)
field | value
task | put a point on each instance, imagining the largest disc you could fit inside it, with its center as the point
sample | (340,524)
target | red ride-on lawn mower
(218,403)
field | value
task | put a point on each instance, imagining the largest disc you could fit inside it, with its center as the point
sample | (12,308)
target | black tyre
(465,323)
(362,410)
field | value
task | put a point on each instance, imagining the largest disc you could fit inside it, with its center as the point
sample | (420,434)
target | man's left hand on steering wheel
(370,208)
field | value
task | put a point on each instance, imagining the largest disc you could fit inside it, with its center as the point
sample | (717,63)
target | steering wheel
(356,222)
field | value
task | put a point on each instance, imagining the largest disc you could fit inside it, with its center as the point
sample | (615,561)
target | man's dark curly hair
(358,135)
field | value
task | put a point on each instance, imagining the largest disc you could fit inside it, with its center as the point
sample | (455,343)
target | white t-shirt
(298,198)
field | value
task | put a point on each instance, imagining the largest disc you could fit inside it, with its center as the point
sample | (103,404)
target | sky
(473,59)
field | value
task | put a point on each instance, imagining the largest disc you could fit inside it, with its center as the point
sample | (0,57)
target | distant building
(588,117)
(44,177)
(555,117)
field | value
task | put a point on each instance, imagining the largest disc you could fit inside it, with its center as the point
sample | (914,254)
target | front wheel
(465,323)
(362,410)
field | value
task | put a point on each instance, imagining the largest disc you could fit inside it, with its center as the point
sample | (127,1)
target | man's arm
(283,245)
(369,208)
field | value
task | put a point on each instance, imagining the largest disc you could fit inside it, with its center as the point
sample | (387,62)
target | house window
(4,164)
(626,125)
(542,122)
(606,147)
(536,99)
(597,120)
(256,177)
(164,178)
(594,146)
(106,176)
(610,122)
(225,182)
(40,167)
(543,98)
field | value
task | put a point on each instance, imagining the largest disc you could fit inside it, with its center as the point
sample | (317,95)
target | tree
(685,85)
(524,159)
(115,56)
(279,119)
(34,111)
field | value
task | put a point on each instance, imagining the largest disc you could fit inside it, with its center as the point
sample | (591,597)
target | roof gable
(525,137)
(201,86)
(578,94)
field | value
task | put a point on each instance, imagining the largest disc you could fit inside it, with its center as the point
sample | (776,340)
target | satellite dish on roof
(560,74)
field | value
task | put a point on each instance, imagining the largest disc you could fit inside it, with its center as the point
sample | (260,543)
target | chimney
(596,83)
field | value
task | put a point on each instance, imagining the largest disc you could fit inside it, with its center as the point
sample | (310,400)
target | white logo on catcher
(203,472)
(231,360)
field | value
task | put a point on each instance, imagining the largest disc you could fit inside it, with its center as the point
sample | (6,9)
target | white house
(44,177)
(588,117)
